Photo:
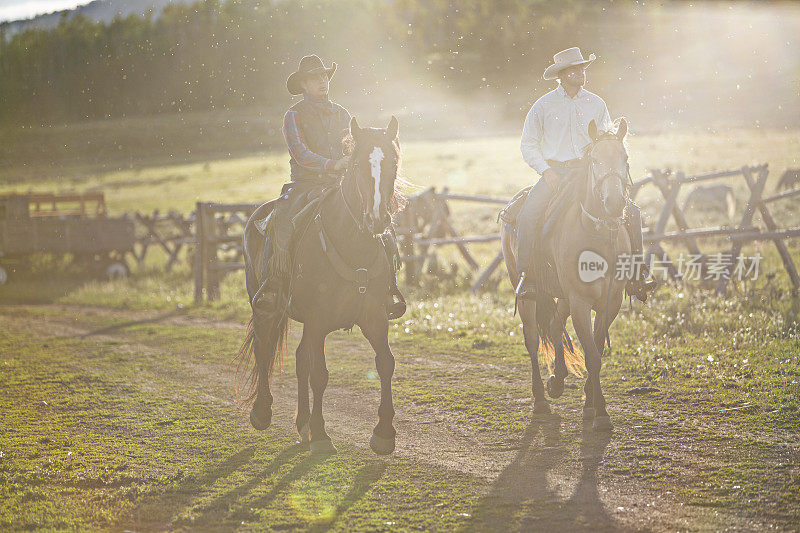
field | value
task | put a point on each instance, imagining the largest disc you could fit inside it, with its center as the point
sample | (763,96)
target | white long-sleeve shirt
(557,126)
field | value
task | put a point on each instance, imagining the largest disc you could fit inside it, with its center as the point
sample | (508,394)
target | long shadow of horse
(149,513)
(238,497)
(522,499)
(229,508)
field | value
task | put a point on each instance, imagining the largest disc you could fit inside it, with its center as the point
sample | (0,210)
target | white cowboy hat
(565,59)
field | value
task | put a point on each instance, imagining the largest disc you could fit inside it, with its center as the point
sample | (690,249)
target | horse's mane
(402,186)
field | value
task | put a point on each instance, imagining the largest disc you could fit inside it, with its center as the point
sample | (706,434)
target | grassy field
(118,409)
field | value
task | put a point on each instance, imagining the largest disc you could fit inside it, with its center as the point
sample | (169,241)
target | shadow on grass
(159,510)
(130,323)
(363,480)
(522,499)
(184,506)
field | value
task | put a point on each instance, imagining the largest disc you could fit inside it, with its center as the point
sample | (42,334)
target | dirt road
(555,474)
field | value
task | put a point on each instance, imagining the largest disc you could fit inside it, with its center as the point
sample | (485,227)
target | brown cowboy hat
(308,65)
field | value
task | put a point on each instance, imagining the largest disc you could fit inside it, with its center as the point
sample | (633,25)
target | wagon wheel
(116,267)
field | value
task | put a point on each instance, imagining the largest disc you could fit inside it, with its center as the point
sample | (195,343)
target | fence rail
(425,225)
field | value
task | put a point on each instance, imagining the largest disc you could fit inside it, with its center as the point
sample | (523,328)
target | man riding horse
(313,129)
(554,139)
(330,246)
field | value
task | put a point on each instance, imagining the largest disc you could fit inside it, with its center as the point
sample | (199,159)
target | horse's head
(375,159)
(608,168)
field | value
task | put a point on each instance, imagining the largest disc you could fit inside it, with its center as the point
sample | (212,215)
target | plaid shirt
(296,142)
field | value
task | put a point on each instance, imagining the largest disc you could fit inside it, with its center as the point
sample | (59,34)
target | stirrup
(396,307)
(641,288)
(271,296)
(526,293)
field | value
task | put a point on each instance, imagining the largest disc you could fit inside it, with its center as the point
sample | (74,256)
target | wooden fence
(755,178)
(426,225)
(172,232)
(219,230)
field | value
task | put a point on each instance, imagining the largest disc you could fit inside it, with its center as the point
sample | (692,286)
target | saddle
(303,217)
(567,193)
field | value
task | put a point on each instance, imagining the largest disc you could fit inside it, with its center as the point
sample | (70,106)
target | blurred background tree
(474,65)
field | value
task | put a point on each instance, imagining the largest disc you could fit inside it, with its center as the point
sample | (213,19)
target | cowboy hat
(308,65)
(565,59)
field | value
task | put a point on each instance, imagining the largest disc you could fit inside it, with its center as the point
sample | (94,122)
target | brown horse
(589,226)
(340,278)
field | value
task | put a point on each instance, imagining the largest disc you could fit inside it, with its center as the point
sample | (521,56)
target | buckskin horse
(596,198)
(340,277)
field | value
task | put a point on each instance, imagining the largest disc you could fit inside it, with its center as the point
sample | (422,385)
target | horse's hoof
(541,407)
(381,445)
(555,386)
(602,423)
(588,413)
(260,422)
(324,446)
(305,434)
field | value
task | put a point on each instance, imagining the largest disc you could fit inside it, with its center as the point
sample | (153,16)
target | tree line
(223,54)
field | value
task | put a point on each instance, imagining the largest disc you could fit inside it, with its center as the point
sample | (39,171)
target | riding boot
(529,224)
(642,282)
(272,294)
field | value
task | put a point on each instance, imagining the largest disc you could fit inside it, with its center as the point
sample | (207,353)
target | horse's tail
(573,358)
(545,313)
(248,361)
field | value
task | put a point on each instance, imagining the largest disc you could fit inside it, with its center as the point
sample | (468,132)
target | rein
(360,276)
(349,173)
(610,224)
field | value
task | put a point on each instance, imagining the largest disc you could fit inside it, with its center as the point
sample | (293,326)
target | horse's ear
(354,128)
(593,130)
(623,129)
(393,128)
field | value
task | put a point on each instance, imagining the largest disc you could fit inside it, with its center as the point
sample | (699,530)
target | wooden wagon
(74,224)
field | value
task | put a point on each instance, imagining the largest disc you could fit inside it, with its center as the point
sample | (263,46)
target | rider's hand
(551,177)
(340,164)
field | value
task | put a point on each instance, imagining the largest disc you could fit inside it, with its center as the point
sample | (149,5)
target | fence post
(199,252)
(756,188)
(766,216)
(487,273)
(210,233)
(671,188)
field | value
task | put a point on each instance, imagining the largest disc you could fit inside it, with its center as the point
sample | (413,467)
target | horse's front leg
(599,335)
(303,371)
(527,312)
(376,329)
(555,383)
(320,441)
(263,351)
(582,321)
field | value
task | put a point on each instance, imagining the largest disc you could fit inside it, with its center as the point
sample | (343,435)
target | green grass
(130,435)
(728,456)
(85,445)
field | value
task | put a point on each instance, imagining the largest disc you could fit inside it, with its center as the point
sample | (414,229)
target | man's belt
(571,163)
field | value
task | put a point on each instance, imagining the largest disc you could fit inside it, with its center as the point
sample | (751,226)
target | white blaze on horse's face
(375,159)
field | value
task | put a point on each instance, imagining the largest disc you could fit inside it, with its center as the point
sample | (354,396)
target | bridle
(360,222)
(595,183)
(611,224)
